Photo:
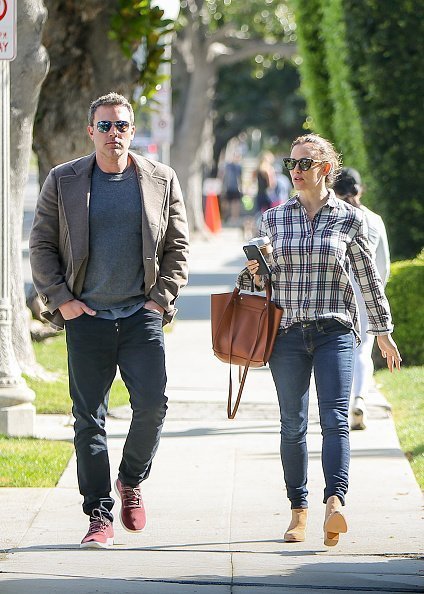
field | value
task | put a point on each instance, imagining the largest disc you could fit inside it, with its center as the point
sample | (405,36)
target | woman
(265,176)
(348,187)
(316,239)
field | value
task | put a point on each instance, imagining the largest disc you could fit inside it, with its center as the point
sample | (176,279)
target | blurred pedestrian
(108,251)
(282,189)
(348,187)
(232,189)
(316,238)
(266,180)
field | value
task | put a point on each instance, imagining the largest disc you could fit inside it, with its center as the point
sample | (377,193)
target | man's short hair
(110,99)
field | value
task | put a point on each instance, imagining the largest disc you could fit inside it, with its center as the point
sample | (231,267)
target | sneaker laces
(131,496)
(97,522)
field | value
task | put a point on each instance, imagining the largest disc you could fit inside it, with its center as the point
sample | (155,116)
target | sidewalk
(215,499)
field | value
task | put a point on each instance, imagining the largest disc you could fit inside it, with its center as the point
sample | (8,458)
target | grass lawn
(28,462)
(405,392)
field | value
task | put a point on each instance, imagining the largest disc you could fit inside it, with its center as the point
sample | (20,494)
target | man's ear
(90,131)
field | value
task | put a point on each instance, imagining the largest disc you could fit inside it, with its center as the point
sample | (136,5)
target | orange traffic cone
(212,215)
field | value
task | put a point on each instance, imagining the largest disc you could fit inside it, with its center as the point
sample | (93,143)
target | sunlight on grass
(27,462)
(405,392)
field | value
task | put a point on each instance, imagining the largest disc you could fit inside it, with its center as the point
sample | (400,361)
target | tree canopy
(214,34)
(266,98)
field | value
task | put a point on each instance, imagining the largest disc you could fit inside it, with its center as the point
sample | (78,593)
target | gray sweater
(114,280)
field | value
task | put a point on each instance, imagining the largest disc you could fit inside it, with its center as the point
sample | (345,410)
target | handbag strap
(232,410)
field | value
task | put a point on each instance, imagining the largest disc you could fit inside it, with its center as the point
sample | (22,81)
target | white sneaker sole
(93,544)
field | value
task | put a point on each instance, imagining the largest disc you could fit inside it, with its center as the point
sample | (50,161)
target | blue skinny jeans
(327,347)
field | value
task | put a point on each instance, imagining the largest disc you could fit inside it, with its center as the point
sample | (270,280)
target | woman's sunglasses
(105,125)
(305,163)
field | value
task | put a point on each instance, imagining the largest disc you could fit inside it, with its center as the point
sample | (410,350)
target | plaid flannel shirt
(310,265)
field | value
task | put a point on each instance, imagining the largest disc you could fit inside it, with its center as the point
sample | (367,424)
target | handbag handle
(232,410)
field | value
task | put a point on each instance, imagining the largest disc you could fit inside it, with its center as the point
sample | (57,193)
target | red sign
(7,29)
(3,9)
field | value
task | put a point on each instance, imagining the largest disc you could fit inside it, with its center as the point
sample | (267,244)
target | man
(348,187)
(108,252)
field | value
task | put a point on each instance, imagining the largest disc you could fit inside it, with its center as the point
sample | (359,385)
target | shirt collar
(331,202)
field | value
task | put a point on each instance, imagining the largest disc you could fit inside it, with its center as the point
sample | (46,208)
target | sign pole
(17,414)
(162,120)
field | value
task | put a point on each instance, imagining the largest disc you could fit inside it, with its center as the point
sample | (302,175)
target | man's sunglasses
(105,125)
(305,163)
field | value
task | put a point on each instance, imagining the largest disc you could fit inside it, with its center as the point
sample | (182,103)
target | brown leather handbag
(244,327)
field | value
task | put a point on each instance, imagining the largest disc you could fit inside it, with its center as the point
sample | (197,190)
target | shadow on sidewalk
(383,575)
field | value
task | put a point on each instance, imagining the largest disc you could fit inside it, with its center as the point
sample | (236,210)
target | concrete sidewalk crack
(235,451)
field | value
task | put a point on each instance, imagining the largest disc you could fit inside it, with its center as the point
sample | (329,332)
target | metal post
(16,411)
(167,107)
(162,123)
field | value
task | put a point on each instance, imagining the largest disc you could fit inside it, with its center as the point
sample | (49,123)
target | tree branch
(225,55)
(221,34)
(193,14)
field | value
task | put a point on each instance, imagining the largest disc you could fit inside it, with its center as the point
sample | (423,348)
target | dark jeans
(95,348)
(327,347)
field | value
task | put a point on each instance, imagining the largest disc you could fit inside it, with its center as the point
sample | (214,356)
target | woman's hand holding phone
(252,266)
(254,254)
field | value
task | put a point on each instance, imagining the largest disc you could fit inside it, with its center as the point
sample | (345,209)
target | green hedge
(347,131)
(385,44)
(405,293)
(321,31)
(313,71)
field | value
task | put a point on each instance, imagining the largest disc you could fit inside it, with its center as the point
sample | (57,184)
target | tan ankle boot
(335,522)
(296,530)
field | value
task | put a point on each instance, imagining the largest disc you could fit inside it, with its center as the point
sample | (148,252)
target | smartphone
(254,253)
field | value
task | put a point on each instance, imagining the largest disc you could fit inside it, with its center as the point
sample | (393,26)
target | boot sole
(335,524)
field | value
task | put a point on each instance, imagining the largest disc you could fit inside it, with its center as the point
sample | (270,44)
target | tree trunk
(85,64)
(193,136)
(192,144)
(27,73)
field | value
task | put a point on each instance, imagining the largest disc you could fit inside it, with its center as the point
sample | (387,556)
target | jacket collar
(86,164)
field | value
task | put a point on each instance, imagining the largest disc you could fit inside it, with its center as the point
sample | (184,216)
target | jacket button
(44,298)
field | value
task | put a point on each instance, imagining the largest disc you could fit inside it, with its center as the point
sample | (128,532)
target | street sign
(8,29)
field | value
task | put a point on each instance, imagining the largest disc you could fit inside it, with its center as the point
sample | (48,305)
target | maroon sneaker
(133,514)
(100,533)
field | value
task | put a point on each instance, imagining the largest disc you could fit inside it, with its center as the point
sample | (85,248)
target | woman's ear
(327,168)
